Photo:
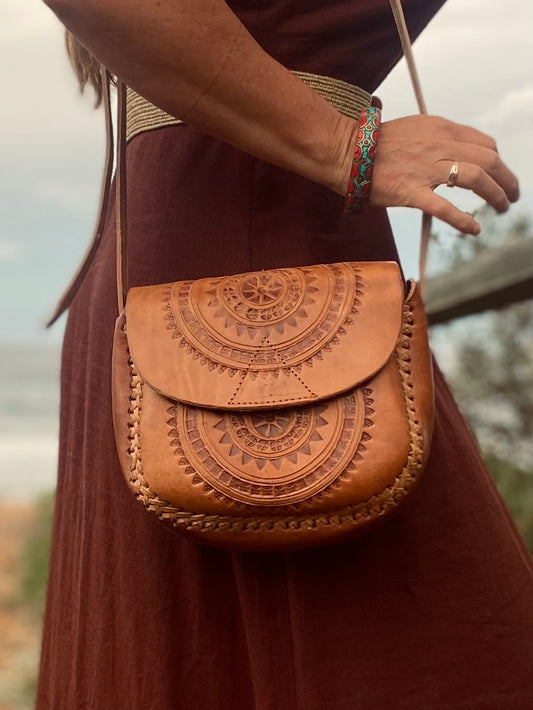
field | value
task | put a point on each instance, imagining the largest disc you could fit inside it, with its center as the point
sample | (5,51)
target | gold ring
(452,175)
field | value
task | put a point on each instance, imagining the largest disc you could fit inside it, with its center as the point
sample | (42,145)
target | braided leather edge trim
(374,508)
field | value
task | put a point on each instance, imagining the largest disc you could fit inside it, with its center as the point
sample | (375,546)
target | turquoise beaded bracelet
(363,159)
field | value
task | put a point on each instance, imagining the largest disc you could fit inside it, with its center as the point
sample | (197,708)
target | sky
(475,63)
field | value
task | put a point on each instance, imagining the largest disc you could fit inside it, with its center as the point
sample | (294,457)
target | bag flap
(267,338)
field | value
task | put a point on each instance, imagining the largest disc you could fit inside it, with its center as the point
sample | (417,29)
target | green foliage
(493,379)
(490,368)
(493,382)
(516,487)
(34,558)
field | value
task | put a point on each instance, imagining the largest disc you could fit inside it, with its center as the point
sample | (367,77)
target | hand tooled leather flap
(266,338)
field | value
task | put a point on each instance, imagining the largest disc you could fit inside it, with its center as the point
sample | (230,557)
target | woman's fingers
(442,209)
(474,178)
(415,155)
(490,162)
(464,134)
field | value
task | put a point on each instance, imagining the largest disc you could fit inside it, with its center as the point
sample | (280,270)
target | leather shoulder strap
(122,204)
(399,18)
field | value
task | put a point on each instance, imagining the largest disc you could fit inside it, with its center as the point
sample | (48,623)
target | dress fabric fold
(431,611)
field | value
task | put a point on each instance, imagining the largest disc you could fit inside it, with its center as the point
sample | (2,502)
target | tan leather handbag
(276,409)
(271,410)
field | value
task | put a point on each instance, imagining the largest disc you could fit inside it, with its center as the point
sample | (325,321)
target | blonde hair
(87,68)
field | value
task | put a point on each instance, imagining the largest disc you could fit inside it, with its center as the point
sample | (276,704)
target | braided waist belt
(143,116)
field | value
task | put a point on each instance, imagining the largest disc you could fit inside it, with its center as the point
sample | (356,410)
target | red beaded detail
(363,159)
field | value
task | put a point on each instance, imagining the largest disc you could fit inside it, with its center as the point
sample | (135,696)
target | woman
(430,612)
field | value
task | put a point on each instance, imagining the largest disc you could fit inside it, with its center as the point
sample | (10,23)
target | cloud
(44,116)
(63,194)
(474,60)
(510,120)
(21,21)
(470,54)
(9,251)
(514,108)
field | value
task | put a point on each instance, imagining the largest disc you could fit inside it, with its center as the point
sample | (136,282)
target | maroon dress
(433,611)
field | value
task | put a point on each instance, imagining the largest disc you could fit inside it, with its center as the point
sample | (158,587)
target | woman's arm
(196,61)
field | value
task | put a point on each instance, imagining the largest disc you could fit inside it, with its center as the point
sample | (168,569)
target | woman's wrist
(360,181)
(342,154)
(356,145)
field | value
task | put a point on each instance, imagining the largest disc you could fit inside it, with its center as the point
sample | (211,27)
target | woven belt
(348,99)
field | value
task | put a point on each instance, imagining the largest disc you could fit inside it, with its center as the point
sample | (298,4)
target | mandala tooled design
(272,457)
(262,300)
(263,318)
(261,437)
(262,289)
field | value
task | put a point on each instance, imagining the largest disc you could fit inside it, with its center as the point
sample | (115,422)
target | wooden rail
(494,279)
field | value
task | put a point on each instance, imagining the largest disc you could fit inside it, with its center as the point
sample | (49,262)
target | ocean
(29,412)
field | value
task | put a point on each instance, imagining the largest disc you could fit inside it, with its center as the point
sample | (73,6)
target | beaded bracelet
(363,159)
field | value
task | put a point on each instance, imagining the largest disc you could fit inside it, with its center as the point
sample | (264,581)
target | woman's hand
(415,154)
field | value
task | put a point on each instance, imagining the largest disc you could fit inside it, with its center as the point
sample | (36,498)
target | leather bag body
(274,410)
